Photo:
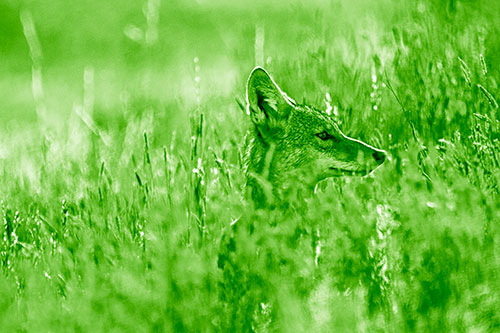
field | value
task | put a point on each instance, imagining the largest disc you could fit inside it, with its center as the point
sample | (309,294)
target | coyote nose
(379,156)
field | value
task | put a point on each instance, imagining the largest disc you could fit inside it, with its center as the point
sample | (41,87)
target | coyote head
(298,141)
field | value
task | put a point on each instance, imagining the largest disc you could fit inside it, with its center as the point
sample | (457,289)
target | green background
(121,182)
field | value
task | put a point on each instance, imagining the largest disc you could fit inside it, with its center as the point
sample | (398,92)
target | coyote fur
(295,146)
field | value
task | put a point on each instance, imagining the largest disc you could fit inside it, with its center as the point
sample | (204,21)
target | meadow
(122,204)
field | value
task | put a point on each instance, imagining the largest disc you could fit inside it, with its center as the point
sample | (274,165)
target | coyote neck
(260,184)
(268,184)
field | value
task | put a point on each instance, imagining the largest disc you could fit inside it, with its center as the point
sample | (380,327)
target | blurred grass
(122,210)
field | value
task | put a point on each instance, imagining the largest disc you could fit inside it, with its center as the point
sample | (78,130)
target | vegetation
(121,185)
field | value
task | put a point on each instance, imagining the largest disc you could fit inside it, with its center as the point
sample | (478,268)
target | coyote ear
(265,100)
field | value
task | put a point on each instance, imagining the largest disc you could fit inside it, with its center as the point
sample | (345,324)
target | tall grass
(123,208)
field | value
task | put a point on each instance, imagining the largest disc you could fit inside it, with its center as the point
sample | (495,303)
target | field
(122,204)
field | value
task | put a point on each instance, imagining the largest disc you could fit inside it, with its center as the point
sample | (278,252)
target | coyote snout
(297,142)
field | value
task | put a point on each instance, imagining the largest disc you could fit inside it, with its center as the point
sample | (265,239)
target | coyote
(294,146)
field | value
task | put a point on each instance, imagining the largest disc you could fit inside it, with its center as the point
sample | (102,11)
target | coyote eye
(326,136)
(323,135)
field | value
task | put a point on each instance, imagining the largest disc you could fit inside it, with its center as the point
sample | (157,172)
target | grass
(121,183)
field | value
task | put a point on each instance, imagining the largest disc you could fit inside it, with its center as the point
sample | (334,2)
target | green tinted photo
(235,166)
